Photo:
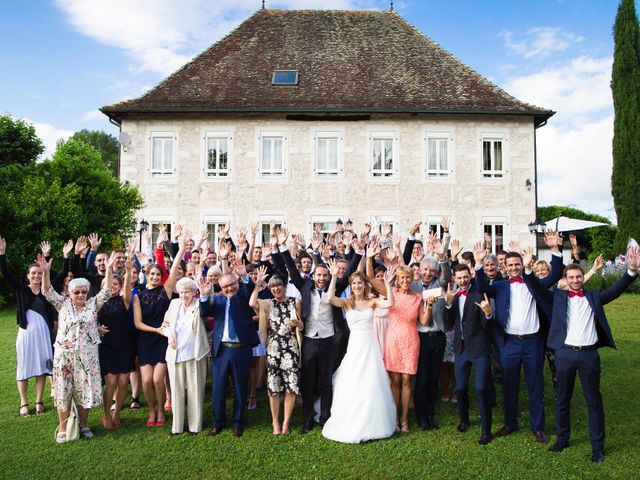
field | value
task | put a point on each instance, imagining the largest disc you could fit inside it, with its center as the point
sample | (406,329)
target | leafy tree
(598,240)
(625,86)
(105,144)
(18,142)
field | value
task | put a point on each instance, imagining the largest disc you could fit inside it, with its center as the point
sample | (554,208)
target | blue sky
(63,59)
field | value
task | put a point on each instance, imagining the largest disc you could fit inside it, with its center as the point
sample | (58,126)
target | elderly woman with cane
(76,364)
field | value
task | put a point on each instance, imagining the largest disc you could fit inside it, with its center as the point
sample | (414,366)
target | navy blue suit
(472,347)
(236,359)
(516,352)
(584,362)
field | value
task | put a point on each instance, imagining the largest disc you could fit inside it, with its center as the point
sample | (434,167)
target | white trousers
(188,376)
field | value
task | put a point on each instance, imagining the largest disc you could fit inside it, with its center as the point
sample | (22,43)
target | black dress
(152,347)
(117,350)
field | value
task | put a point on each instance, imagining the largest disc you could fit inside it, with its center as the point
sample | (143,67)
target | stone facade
(299,198)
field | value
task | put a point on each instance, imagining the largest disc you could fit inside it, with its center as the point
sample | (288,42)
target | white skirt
(33,348)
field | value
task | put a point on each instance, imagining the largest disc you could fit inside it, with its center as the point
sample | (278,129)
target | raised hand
(386,230)
(95,241)
(3,245)
(81,245)
(332,265)
(67,248)
(111,261)
(479,252)
(241,268)
(374,248)
(299,239)
(450,295)
(204,287)
(514,247)
(598,264)
(262,276)
(226,228)
(185,237)
(204,235)
(223,250)
(552,239)
(316,241)
(438,249)
(282,234)
(367,229)
(162,235)
(347,238)
(527,257)
(445,223)
(43,263)
(456,248)
(389,275)
(634,258)
(253,229)
(131,248)
(45,247)
(177,231)
(396,240)
(415,228)
(143,258)
(485,306)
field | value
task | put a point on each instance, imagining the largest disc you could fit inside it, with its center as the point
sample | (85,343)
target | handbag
(73,423)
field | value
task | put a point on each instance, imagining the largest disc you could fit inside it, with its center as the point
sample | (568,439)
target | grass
(135,451)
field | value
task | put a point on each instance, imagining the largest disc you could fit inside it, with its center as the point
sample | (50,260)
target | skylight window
(285,77)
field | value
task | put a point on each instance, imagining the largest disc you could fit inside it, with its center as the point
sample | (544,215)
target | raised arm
(390,301)
(128,289)
(260,284)
(331,292)
(170,284)
(411,240)
(479,252)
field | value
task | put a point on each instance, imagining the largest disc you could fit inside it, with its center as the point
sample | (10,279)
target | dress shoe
(597,456)
(237,432)
(504,431)
(214,431)
(485,438)
(558,446)
(462,427)
(424,426)
(541,437)
(431,421)
(306,428)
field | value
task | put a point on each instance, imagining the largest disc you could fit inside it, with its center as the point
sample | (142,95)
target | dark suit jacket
(559,300)
(475,324)
(306,286)
(241,312)
(501,291)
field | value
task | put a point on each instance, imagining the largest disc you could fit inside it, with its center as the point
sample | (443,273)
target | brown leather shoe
(237,432)
(485,438)
(541,437)
(214,431)
(462,427)
(504,431)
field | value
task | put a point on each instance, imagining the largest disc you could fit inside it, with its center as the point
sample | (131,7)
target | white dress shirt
(185,337)
(523,316)
(319,322)
(581,325)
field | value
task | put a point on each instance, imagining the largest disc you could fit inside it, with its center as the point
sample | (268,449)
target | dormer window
(285,77)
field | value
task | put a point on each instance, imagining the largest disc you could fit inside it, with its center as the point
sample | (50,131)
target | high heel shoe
(404,427)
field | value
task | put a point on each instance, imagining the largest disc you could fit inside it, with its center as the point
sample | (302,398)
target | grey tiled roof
(348,61)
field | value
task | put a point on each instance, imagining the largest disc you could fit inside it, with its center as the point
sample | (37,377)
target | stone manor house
(310,116)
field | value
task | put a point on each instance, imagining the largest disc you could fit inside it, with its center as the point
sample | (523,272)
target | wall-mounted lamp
(528,184)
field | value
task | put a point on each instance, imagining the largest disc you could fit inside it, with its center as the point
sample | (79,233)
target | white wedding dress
(363,407)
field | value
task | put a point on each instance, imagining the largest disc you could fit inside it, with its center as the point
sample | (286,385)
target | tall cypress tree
(625,86)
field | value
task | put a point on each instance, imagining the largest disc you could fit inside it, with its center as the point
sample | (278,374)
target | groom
(325,333)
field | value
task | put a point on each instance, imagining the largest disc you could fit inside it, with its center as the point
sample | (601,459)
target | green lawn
(135,451)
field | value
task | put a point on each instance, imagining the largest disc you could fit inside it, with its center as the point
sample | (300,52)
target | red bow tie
(579,293)
(461,292)
(516,280)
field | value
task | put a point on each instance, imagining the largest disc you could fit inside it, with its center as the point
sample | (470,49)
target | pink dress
(402,342)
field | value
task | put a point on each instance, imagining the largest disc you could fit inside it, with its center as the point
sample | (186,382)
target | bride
(363,407)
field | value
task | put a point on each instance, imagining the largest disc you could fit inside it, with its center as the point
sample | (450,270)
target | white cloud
(92,116)
(161,35)
(574,88)
(49,135)
(540,42)
(574,149)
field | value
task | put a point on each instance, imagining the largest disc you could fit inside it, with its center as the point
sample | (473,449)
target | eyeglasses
(80,292)
(224,287)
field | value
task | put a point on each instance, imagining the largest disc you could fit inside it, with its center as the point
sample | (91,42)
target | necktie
(232,326)
(579,293)
(461,292)
(516,280)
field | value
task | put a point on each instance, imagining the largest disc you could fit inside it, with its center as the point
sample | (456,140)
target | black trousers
(320,358)
(429,364)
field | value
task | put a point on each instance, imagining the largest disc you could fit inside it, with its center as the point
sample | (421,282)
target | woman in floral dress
(76,363)
(279,320)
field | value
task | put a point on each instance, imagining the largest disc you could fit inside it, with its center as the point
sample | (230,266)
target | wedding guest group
(348,321)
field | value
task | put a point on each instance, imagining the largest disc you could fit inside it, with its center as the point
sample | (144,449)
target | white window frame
(493,174)
(325,218)
(493,222)
(214,219)
(273,174)
(438,174)
(385,174)
(215,175)
(165,172)
(328,173)
(264,219)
